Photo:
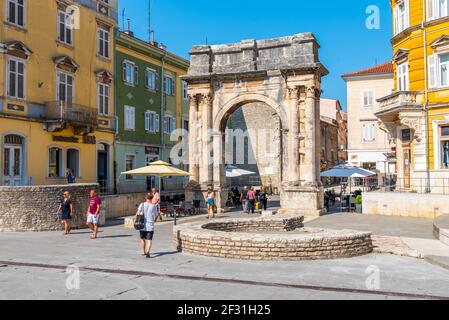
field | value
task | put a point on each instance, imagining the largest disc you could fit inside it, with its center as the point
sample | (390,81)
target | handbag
(139,224)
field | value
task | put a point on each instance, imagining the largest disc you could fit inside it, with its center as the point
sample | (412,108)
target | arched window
(54,162)
(73,161)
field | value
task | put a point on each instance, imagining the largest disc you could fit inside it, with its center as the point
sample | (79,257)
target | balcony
(59,114)
(402,101)
(104,7)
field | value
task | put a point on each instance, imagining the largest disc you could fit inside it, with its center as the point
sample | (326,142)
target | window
(65,87)
(438,70)
(54,162)
(151,79)
(16,12)
(16,78)
(103,43)
(368,132)
(184,90)
(73,160)
(169,86)
(130,118)
(169,124)
(444,141)
(401,16)
(368,98)
(437,9)
(185,125)
(406,135)
(103,98)
(65,28)
(129,165)
(130,73)
(151,121)
(402,75)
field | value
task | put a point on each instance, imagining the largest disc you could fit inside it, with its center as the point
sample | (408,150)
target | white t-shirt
(150,213)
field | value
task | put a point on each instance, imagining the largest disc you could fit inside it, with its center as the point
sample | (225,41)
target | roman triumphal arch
(284,74)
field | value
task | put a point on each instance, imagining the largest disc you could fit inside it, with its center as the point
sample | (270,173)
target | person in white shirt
(149,211)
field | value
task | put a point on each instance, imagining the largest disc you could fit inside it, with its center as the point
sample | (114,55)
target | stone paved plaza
(33,266)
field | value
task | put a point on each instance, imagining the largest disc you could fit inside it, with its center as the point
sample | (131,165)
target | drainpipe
(114,162)
(161,118)
(426,94)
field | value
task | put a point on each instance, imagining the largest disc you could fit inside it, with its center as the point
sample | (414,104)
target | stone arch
(233,104)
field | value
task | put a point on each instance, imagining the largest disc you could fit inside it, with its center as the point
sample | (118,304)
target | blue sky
(346,44)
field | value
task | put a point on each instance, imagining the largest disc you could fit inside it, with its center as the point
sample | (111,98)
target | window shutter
(396,20)
(165,85)
(165,124)
(430,10)
(407,13)
(433,71)
(156,123)
(157,81)
(136,75)
(124,71)
(147,121)
(133,118)
(364,132)
(147,79)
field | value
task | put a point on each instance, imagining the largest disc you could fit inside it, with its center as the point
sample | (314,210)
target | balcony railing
(400,99)
(71,113)
(108,8)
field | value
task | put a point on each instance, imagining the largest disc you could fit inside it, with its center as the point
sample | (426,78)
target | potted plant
(358,204)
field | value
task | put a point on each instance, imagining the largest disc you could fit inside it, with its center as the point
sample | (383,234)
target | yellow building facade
(57,91)
(416,115)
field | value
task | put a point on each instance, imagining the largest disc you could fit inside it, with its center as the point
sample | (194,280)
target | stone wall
(262,151)
(267,244)
(405,204)
(34,208)
(122,205)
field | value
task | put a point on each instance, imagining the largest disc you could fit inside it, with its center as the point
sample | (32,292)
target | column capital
(313,92)
(206,99)
(293,92)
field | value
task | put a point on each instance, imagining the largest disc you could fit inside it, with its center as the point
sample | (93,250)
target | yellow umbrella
(158,169)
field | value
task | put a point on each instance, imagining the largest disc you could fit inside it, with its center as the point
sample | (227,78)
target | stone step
(441,228)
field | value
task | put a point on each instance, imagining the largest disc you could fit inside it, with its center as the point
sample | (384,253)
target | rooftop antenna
(149,21)
(206,41)
(123,19)
(129,24)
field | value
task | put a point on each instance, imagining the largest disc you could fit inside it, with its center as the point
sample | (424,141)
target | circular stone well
(274,238)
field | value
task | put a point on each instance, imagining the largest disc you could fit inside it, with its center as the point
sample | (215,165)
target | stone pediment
(17,48)
(400,56)
(104,76)
(441,43)
(66,63)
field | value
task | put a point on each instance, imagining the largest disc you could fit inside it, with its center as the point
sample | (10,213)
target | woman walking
(251,200)
(65,212)
(149,212)
(210,203)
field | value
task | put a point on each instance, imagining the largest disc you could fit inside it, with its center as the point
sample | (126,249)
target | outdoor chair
(352,204)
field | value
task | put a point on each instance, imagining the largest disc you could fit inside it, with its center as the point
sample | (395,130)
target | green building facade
(151,102)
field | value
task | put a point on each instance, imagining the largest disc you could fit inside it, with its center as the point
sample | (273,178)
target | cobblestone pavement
(34,266)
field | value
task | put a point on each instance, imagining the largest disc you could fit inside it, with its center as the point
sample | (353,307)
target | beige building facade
(369,145)
(333,133)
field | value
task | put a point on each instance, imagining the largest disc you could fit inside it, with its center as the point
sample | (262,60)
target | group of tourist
(148,209)
(66,212)
(249,199)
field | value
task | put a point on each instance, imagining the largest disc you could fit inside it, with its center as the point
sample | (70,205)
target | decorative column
(293,137)
(193,139)
(206,167)
(310,135)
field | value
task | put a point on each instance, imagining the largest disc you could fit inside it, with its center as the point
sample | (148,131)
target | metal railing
(438,186)
(71,113)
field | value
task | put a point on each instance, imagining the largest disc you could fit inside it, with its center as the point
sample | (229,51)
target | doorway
(13,163)
(103,166)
